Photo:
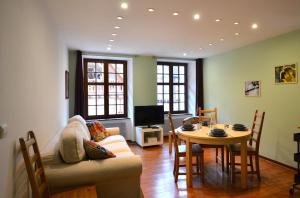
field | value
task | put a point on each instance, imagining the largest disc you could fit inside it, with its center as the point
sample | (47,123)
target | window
(105,88)
(172,86)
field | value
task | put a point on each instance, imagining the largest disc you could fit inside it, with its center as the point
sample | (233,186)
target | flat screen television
(148,115)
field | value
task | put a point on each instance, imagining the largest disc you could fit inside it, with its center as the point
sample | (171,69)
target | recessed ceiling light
(114,34)
(108,48)
(117,27)
(111,40)
(200,48)
(120,17)
(236,34)
(151,10)
(218,20)
(196,16)
(254,26)
(184,54)
(221,39)
(175,13)
(124,5)
(236,23)
(210,44)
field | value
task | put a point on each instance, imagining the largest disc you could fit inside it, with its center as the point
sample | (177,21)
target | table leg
(189,165)
(244,171)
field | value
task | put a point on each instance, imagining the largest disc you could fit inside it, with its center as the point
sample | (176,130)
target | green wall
(224,78)
(144,80)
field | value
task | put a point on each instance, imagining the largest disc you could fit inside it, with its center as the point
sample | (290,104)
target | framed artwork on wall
(286,74)
(66,84)
(252,88)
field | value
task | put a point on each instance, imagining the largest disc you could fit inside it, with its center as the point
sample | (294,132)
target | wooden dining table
(201,135)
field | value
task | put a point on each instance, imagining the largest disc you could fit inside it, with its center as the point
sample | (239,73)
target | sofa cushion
(78,118)
(71,147)
(95,151)
(112,139)
(117,147)
(98,131)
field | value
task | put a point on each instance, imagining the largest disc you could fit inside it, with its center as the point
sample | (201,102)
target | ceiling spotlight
(200,48)
(120,17)
(236,23)
(111,40)
(150,10)
(113,34)
(117,27)
(254,26)
(218,20)
(210,44)
(175,13)
(108,48)
(196,16)
(236,34)
(184,54)
(221,39)
(124,5)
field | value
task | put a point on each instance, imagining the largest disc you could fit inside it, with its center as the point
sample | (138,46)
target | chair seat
(236,148)
(196,148)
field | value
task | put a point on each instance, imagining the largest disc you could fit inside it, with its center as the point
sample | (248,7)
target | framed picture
(252,88)
(286,74)
(67,84)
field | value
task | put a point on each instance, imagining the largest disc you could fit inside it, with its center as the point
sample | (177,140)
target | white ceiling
(88,24)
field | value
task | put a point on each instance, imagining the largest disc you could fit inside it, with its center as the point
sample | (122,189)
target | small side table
(86,191)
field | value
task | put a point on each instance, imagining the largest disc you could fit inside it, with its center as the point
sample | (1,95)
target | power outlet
(3,131)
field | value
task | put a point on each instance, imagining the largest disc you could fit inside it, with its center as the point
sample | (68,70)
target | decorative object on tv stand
(252,88)
(286,74)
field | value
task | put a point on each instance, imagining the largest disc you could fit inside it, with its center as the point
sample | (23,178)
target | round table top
(202,135)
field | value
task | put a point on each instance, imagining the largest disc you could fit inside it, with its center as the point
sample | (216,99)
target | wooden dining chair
(210,116)
(34,166)
(180,151)
(36,173)
(252,147)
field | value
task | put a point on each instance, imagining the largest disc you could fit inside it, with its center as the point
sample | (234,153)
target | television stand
(149,136)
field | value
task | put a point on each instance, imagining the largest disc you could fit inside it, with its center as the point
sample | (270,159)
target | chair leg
(251,163)
(227,160)
(217,155)
(232,165)
(170,143)
(176,169)
(222,158)
(257,166)
(198,164)
(202,166)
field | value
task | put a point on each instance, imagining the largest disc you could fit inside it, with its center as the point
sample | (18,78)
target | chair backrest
(175,138)
(34,166)
(208,115)
(256,129)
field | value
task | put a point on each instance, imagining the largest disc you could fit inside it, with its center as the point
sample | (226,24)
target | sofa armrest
(113,130)
(66,176)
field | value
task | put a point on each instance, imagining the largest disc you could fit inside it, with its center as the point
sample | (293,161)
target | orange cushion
(98,131)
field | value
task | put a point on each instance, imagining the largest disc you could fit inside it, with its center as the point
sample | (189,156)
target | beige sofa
(113,177)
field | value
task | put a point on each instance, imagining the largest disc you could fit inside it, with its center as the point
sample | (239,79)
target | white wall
(32,65)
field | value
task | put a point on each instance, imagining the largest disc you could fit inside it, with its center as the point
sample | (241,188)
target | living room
(39,44)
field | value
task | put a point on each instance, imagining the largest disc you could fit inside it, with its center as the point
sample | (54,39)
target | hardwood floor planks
(157,178)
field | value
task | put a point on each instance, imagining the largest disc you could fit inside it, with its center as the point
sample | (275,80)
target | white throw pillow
(78,118)
(71,147)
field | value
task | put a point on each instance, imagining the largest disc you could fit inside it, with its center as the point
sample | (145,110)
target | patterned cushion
(97,131)
(95,151)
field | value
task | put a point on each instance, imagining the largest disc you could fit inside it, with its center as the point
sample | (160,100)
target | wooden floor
(157,178)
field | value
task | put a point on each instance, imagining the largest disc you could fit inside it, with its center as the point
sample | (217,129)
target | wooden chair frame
(34,166)
(199,155)
(203,116)
(256,131)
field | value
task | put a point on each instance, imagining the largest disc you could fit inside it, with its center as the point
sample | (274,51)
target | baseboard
(279,163)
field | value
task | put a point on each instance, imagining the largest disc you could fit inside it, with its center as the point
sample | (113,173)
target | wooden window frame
(171,83)
(106,85)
